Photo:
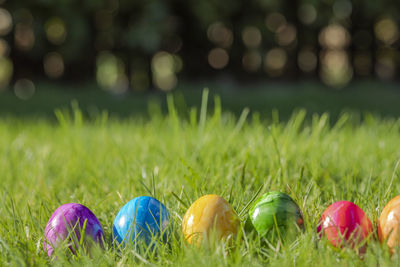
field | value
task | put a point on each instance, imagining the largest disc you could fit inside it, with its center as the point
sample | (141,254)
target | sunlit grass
(103,163)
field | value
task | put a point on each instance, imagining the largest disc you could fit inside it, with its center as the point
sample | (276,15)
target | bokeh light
(6,71)
(251,36)
(307,14)
(5,22)
(386,31)
(24,89)
(275,21)
(334,36)
(275,61)
(220,35)
(164,70)
(111,73)
(307,60)
(252,61)
(24,36)
(149,46)
(335,69)
(286,35)
(53,64)
(218,58)
(56,30)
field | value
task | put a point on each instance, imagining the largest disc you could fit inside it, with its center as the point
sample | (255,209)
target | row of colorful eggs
(343,222)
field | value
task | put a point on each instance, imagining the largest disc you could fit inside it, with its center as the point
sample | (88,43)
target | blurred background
(122,46)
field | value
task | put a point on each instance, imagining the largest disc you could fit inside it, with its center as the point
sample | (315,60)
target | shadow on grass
(358,98)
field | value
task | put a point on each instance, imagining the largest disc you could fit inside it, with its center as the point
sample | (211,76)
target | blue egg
(139,220)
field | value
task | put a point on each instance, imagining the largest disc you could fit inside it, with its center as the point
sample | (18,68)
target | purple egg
(64,219)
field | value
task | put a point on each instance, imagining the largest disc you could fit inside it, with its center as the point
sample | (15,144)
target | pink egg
(345,224)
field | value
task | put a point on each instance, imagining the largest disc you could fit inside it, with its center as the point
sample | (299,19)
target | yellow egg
(209,214)
(389,224)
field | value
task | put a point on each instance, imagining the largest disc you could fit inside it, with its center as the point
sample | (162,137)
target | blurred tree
(144,44)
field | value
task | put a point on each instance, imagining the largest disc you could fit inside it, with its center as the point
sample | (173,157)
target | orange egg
(389,224)
(209,214)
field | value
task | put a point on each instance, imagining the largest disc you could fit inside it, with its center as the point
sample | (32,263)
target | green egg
(276,211)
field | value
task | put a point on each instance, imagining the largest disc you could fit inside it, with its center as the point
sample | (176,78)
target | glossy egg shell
(389,224)
(67,217)
(344,220)
(273,206)
(139,220)
(209,214)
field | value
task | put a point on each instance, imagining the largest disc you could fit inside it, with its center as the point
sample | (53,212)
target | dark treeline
(128,44)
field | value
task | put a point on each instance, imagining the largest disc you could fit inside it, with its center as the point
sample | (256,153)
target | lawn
(104,161)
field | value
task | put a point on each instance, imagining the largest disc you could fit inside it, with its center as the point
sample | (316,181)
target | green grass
(103,163)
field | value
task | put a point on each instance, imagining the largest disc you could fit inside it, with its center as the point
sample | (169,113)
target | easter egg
(275,209)
(68,222)
(344,223)
(139,220)
(389,224)
(210,214)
